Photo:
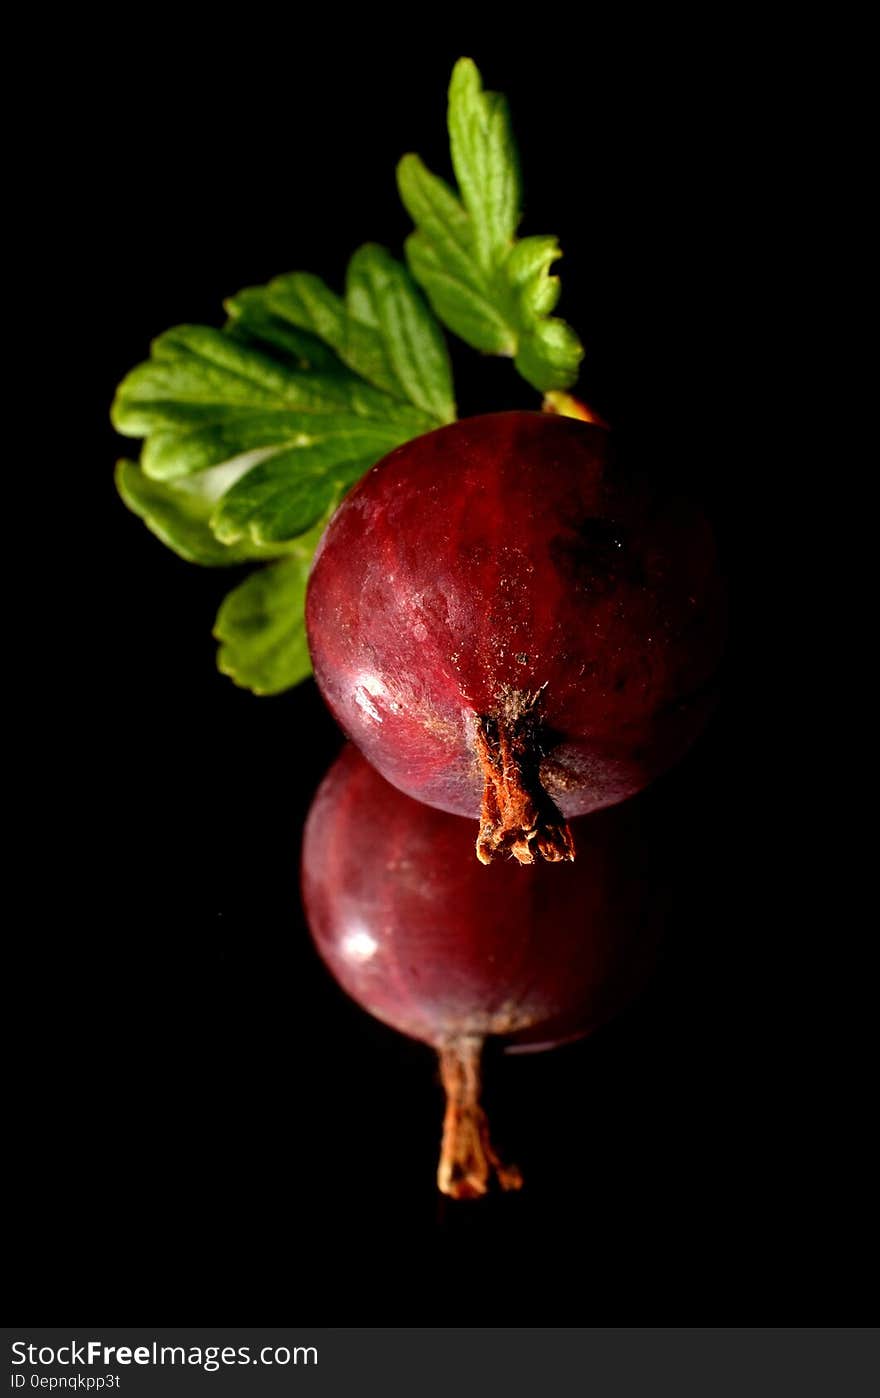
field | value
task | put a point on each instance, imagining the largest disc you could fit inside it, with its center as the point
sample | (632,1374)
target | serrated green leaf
(549,355)
(190,369)
(180,519)
(253,433)
(486,163)
(261,629)
(382,331)
(199,379)
(469,313)
(283,497)
(435,209)
(306,301)
(207,397)
(169,455)
(496,293)
(381,293)
(527,270)
(252,321)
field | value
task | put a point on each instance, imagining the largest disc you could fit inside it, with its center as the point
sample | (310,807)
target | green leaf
(253,433)
(493,291)
(268,383)
(252,320)
(381,293)
(261,629)
(486,163)
(527,270)
(307,301)
(193,369)
(204,398)
(549,355)
(435,209)
(180,519)
(382,331)
(468,311)
(283,497)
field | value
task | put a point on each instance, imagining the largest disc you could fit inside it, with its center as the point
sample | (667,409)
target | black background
(203,1129)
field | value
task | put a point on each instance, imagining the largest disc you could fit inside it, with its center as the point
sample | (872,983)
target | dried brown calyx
(468,1161)
(517,816)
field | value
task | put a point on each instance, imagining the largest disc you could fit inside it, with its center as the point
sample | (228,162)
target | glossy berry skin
(501,571)
(443,949)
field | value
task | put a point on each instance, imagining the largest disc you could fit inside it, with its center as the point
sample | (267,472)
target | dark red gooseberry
(446,951)
(509,628)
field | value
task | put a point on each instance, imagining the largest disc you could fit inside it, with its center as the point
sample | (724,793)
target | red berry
(508,628)
(448,952)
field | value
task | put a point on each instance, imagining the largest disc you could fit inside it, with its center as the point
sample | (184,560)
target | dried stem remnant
(467,1158)
(517,815)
